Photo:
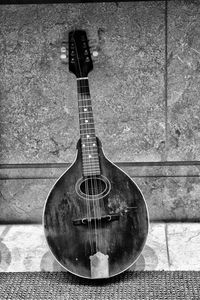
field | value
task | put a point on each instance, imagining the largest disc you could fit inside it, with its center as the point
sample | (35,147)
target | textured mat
(144,285)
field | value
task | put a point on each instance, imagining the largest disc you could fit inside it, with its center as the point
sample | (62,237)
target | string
(94,186)
(88,213)
(89,133)
(87,185)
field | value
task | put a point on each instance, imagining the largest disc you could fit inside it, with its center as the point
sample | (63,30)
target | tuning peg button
(95,53)
(63,56)
(63,49)
(63,52)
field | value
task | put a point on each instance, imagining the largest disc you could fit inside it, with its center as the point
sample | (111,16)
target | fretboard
(90,157)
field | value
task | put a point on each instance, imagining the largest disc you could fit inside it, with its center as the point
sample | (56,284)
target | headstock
(80,62)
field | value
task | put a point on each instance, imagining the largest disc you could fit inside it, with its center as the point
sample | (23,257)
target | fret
(84,86)
(87,152)
(85,140)
(91,143)
(86,117)
(91,173)
(82,78)
(91,170)
(84,106)
(90,156)
(82,99)
(94,156)
(87,169)
(92,159)
(95,168)
(83,90)
(87,128)
(89,149)
(87,132)
(87,135)
(84,137)
(89,166)
(85,112)
(86,124)
(84,96)
(94,163)
(82,121)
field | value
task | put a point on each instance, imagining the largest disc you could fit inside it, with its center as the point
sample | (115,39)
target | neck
(90,158)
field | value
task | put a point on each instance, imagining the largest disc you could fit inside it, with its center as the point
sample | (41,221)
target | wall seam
(167,245)
(166,80)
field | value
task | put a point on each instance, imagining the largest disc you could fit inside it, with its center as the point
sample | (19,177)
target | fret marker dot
(88,136)
(94,145)
(86,121)
(90,156)
(85,109)
(83,145)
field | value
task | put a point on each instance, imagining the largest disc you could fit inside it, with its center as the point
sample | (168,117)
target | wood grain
(122,240)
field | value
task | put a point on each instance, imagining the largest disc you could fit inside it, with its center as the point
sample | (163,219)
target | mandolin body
(112,223)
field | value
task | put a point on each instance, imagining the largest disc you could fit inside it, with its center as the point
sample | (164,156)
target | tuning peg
(93,43)
(95,53)
(94,47)
(64,52)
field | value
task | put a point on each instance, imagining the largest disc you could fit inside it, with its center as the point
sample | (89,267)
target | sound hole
(93,186)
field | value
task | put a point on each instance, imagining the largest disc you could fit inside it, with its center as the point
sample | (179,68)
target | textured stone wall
(38,94)
(144,112)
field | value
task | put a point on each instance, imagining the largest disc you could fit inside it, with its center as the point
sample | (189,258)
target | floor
(170,246)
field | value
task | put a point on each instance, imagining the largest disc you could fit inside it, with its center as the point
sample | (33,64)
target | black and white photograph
(99,150)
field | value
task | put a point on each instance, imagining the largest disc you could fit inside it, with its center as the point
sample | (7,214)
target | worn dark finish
(95,217)
(122,240)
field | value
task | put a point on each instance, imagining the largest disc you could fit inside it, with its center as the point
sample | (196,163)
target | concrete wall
(145,92)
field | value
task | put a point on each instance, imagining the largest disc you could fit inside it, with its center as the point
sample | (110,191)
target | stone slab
(23,248)
(154,255)
(133,169)
(168,198)
(184,246)
(39,120)
(183,80)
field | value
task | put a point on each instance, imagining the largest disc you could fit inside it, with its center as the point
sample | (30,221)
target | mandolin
(95,217)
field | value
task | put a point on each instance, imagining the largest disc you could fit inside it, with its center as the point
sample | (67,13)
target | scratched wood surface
(172,246)
(122,239)
(24,248)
